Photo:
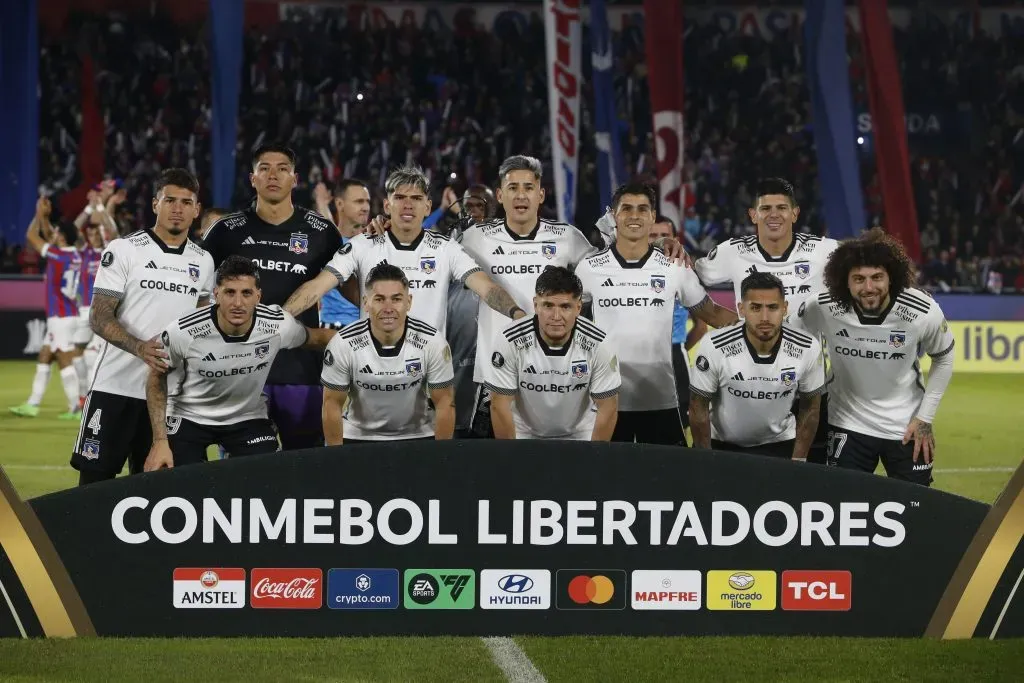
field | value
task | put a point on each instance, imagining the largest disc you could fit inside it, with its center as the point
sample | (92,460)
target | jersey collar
(405,247)
(871,320)
(781,259)
(626,264)
(397,348)
(548,351)
(770,360)
(164,246)
(517,237)
(226,337)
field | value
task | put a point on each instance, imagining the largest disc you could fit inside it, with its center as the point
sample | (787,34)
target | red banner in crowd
(664,47)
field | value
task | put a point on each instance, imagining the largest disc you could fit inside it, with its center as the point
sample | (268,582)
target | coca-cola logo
(287,588)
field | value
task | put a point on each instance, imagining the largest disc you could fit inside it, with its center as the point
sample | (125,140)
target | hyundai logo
(515,583)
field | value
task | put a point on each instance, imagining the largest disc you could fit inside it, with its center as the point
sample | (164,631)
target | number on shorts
(94,421)
(836,441)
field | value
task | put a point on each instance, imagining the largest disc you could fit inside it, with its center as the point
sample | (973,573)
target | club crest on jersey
(428,265)
(548,250)
(658,284)
(298,243)
(802,270)
(262,350)
(788,377)
(579,369)
(414,367)
(193,272)
(90,449)
(897,338)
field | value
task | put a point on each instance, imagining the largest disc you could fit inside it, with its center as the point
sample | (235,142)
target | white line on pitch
(512,661)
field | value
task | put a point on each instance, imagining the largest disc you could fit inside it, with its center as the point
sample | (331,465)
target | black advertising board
(484,538)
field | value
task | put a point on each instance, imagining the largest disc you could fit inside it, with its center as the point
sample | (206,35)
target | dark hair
(767,186)
(645,189)
(235,266)
(761,281)
(385,272)
(179,177)
(277,147)
(69,231)
(558,280)
(662,218)
(215,212)
(873,249)
(346,183)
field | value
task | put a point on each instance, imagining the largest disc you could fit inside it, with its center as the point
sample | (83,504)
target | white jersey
(156,285)
(217,379)
(514,262)
(430,263)
(876,388)
(801,268)
(634,302)
(554,387)
(387,386)
(752,396)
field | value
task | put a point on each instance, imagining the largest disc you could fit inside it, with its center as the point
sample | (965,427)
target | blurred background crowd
(457,101)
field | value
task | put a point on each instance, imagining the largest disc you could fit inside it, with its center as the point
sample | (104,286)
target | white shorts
(83,333)
(60,333)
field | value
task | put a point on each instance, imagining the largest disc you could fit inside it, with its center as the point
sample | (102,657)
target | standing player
(146,280)
(632,286)
(547,372)
(430,260)
(748,374)
(88,344)
(383,367)
(352,205)
(877,326)
(219,358)
(290,245)
(56,245)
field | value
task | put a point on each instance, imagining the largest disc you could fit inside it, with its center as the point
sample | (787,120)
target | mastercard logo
(586,590)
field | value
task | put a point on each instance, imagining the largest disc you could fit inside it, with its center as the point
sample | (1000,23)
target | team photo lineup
(279,327)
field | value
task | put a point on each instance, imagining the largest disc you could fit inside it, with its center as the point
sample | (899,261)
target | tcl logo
(817,590)
(287,588)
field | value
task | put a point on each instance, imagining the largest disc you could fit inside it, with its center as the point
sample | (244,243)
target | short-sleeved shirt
(218,379)
(387,386)
(554,388)
(63,271)
(90,267)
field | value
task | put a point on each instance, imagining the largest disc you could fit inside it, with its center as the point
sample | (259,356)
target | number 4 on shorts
(94,422)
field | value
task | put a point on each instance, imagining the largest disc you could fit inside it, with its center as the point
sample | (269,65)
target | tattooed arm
(806,425)
(700,420)
(494,295)
(160,455)
(713,314)
(310,292)
(103,321)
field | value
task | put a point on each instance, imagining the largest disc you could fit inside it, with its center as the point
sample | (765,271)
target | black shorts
(856,451)
(649,426)
(682,374)
(779,449)
(189,440)
(115,429)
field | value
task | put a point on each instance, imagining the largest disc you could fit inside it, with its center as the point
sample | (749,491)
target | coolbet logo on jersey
(665,589)
(287,589)
(362,589)
(817,590)
(440,588)
(206,588)
(515,589)
(591,589)
(741,590)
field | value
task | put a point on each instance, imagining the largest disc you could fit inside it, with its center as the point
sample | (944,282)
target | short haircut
(407,175)
(215,212)
(662,218)
(874,249)
(69,231)
(346,183)
(761,281)
(520,162)
(767,186)
(179,177)
(644,189)
(385,272)
(275,147)
(558,280)
(236,266)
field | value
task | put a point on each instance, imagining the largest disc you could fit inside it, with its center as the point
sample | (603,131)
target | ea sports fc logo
(598,590)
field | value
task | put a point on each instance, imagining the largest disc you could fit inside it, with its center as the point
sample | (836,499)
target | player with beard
(877,325)
(291,245)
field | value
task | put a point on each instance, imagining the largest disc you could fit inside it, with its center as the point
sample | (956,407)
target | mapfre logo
(817,590)
(286,588)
